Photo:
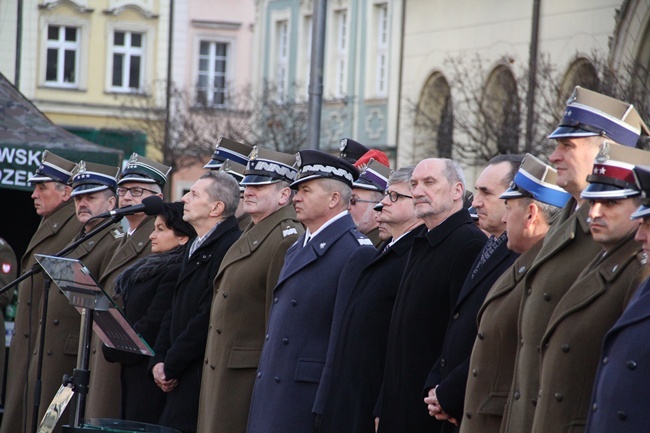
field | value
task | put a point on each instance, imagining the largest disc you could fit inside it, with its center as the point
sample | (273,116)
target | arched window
(501,112)
(581,73)
(433,120)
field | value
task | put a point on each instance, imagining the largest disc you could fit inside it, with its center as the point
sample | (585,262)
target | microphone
(151,206)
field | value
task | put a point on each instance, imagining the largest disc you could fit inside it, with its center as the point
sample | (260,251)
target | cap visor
(256,179)
(604,191)
(569,131)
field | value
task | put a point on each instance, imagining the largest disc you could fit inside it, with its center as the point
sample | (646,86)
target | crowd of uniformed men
(321,293)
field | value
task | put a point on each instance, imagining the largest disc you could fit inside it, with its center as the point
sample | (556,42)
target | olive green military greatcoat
(568,248)
(243,290)
(570,348)
(495,347)
(105,390)
(52,235)
(63,324)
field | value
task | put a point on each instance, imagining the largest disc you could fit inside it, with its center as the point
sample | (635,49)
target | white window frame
(80,47)
(282,57)
(146,63)
(128,52)
(308,26)
(382,37)
(341,53)
(211,58)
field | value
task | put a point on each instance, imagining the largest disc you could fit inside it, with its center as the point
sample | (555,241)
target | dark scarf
(147,268)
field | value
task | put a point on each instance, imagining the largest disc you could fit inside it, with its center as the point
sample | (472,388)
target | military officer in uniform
(571,344)
(58,227)
(367,191)
(243,292)
(589,118)
(231,156)
(532,202)
(93,192)
(141,178)
(621,391)
(291,381)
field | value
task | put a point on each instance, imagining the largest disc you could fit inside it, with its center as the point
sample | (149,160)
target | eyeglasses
(354,200)
(394,195)
(136,191)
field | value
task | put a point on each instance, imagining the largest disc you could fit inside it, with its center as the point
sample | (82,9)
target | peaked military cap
(89,177)
(536,180)
(351,150)
(612,176)
(374,177)
(642,176)
(314,164)
(229,149)
(589,114)
(267,166)
(235,170)
(53,168)
(145,170)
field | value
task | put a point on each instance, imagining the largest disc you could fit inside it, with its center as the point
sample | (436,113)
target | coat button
(605,360)
(293,302)
(558,396)
(521,342)
(225,295)
(443,362)
(631,365)
(546,297)
(94,350)
(481,336)
(594,407)
(522,269)
(468,415)
(205,361)
(267,337)
(275,301)
(517,395)
(259,374)
(529,292)
(26,335)
(565,348)
(285,341)
(218,331)
(474,372)
(456,316)
(55,321)
(277,379)
(212,367)
(621,415)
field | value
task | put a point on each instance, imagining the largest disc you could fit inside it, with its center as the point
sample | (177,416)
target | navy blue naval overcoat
(619,402)
(308,304)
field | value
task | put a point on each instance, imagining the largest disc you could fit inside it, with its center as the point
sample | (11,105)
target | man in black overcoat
(439,263)
(448,377)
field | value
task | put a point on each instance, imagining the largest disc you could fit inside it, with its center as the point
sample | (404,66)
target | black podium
(99,314)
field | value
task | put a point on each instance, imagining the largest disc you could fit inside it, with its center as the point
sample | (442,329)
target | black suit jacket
(451,369)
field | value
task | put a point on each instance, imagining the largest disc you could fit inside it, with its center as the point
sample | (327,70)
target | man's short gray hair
(333,185)
(453,172)
(401,175)
(224,188)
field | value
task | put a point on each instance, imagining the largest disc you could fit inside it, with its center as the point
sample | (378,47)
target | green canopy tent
(25,133)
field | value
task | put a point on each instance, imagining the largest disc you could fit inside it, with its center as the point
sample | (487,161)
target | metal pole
(168,91)
(316,74)
(19,42)
(532,77)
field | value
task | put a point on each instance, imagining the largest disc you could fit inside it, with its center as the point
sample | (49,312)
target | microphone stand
(46,286)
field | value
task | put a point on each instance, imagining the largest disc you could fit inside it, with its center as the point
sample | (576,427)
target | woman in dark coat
(147,289)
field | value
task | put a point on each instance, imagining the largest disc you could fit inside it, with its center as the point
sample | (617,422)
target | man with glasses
(58,226)
(357,362)
(367,191)
(140,179)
